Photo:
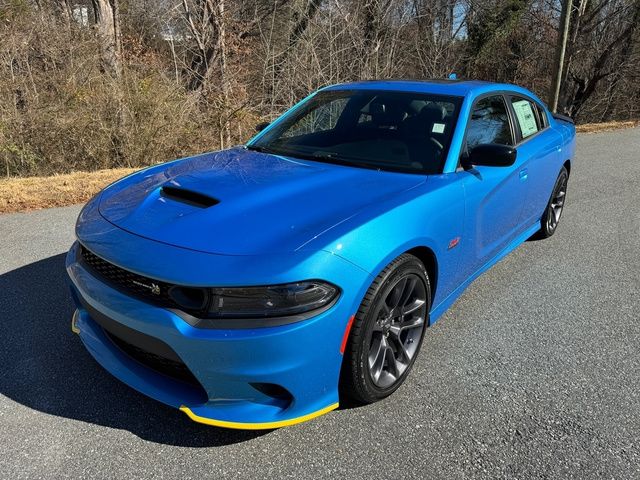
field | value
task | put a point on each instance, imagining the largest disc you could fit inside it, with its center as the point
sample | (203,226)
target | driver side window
(489,123)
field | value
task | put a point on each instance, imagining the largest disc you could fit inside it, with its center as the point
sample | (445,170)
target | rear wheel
(553,212)
(387,331)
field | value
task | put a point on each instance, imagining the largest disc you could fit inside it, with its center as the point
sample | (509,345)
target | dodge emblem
(154,287)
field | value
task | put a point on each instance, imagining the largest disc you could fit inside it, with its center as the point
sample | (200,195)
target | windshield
(386,130)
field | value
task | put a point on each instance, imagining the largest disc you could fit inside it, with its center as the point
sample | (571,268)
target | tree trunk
(204,22)
(299,27)
(620,46)
(107,24)
(561,47)
(370,32)
(224,80)
(63,11)
(574,29)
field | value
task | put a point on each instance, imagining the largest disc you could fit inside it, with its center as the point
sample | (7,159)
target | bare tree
(107,24)
(63,10)
(608,30)
(205,19)
(157,80)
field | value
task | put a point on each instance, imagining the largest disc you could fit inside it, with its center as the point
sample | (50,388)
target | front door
(494,196)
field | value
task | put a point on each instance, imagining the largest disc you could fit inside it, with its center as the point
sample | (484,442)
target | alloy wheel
(557,203)
(396,334)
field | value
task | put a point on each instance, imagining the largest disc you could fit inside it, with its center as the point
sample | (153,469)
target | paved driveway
(534,372)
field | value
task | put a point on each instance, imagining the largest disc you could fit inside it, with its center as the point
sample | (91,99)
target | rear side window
(526,116)
(542,115)
(489,123)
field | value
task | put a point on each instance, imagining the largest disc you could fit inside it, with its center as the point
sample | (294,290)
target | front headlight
(298,299)
(271,301)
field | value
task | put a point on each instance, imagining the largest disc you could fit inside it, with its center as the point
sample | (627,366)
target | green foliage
(495,39)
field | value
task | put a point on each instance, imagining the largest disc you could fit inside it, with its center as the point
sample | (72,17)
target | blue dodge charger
(257,286)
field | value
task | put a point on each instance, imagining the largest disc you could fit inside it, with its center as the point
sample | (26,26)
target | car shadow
(45,366)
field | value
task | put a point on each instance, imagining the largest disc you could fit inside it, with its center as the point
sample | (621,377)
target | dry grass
(32,193)
(606,126)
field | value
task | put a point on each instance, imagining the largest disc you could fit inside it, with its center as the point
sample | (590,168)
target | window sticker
(438,128)
(526,117)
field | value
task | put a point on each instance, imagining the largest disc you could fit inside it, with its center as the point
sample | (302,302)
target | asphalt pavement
(533,373)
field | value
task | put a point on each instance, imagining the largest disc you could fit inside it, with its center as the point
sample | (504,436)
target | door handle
(524,173)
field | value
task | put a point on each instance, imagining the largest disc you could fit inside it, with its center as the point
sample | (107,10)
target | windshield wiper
(332,157)
(258,148)
(328,157)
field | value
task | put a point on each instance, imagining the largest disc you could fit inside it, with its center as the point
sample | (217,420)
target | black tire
(552,213)
(360,381)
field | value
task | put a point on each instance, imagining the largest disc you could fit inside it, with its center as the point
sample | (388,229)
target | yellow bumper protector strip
(74,321)
(256,426)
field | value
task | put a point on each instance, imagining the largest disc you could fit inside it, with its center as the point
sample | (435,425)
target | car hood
(240,202)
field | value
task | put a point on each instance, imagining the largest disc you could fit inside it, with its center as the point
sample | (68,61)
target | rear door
(538,152)
(494,196)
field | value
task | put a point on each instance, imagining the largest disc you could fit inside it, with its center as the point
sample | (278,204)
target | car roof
(456,87)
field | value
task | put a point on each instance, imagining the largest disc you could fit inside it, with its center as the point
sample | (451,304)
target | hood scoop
(189,197)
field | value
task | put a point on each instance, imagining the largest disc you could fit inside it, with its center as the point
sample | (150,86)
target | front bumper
(302,359)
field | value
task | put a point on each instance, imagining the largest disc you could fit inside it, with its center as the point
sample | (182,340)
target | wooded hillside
(87,85)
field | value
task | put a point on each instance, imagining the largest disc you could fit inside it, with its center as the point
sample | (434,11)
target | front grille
(166,366)
(149,351)
(152,290)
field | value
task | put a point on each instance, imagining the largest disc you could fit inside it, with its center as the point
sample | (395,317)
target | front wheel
(387,331)
(551,217)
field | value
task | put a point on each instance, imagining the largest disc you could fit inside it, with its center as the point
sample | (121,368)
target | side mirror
(490,155)
(261,126)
